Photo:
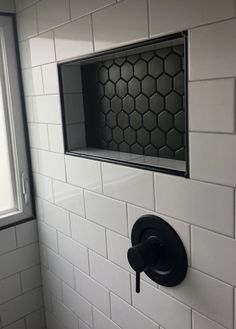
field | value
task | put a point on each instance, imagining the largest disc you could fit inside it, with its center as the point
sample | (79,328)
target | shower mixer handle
(142,256)
(158,251)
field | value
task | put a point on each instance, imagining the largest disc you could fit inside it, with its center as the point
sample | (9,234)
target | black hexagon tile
(136,103)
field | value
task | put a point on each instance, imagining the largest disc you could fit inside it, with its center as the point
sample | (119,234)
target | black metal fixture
(158,251)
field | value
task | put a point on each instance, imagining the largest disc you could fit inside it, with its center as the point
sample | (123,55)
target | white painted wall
(86,208)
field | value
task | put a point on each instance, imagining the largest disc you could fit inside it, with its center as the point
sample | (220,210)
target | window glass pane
(7,202)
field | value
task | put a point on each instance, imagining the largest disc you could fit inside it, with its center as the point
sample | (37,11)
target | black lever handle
(143,255)
(158,251)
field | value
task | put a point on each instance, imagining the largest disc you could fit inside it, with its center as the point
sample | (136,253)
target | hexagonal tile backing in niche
(139,103)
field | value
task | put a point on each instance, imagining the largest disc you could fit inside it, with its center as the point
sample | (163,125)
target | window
(15,200)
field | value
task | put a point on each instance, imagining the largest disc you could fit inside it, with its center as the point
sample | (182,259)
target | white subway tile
(33,82)
(35,320)
(128,184)
(52,322)
(211,105)
(101,321)
(168,16)
(31,278)
(7,240)
(47,109)
(108,30)
(51,283)
(159,306)
(77,304)
(34,159)
(22,4)
(56,217)
(106,211)
(110,275)
(82,325)
(21,306)
(27,23)
(55,136)
(43,255)
(52,13)
(74,108)
(24,54)
(200,322)
(29,109)
(219,249)
(74,39)
(211,53)
(84,173)
(64,315)
(71,77)
(218,165)
(69,197)
(131,318)
(89,234)
(76,136)
(50,78)
(211,297)
(8,6)
(117,246)
(18,260)
(198,203)
(84,7)
(61,268)
(52,164)
(48,235)
(95,293)
(73,252)
(9,288)
(43,187)
(38,134)
(17,325)
(43,41)
(47,301)
(26,233)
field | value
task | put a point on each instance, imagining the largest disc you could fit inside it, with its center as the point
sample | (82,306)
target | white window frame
(12,100)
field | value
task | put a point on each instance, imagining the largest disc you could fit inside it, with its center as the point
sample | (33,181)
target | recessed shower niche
(128,105)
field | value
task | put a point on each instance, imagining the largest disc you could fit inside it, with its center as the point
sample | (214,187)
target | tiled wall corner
(86,209)
(21,301)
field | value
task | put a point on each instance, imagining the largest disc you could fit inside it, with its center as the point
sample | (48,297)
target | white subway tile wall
(86,209)
(21,300)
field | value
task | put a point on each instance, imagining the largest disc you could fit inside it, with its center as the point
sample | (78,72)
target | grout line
(190,245)
(154,191)
(234,205)
(70,10)
(234,308)
(148,19)
(92,30)
(102,180)
(96,10)
(211,79)
(234,105)
(211,132)
(131,292)
(127,221)
(134,205)
(106,242)
(191,319)
(109,298)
